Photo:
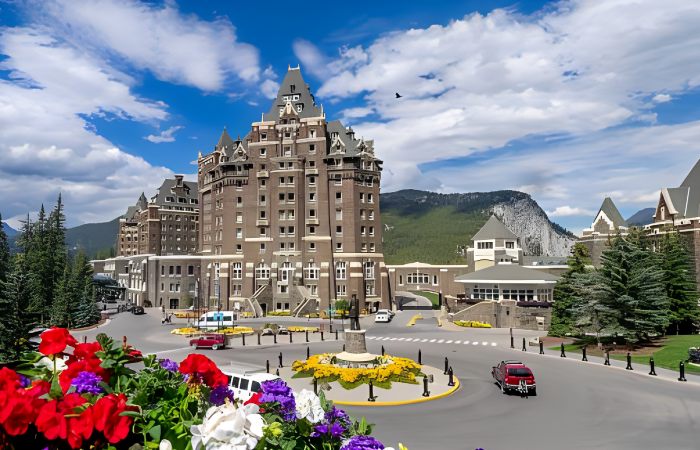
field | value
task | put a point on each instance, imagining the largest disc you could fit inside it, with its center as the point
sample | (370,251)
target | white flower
(165,445)
(227,427)
(48,363)
(309,406)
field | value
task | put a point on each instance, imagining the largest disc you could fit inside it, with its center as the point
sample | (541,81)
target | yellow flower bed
(297,329)
(472,324)
(247,314)
(393,368)
(235,330)
(280,313)
(186,330)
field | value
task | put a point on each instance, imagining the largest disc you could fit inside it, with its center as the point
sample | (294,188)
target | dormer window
(663,213)
(334,135)
(295,97)
(293,88)
(263,136)
(300,107)
(281,111)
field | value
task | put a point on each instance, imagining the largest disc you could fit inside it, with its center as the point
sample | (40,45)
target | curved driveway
(579,405)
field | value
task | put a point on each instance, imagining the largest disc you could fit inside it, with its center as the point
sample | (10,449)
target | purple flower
(24,381)
(332,430)
(362,443)
(277,391)
(169,364)
(87,382)
(219,395)
(337,415)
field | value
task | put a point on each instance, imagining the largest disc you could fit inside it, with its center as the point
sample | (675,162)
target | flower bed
(188,331)
(472,324)
(388,369)
(236,330)
(296,329)
(285,312)
(73,395)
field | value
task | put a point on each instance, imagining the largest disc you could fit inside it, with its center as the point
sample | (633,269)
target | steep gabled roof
(142,203)
(165,191)
(691,208)
(225,140)
(612,213)
(507,272)
(293,84)
(493,229)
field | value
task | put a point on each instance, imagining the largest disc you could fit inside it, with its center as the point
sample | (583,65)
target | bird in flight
(398,95)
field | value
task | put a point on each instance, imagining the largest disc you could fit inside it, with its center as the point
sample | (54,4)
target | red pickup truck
(514,376)
(212,341)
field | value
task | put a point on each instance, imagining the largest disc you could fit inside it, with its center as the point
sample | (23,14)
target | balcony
(312,221)
(311,172)
(262,223)
(263,174)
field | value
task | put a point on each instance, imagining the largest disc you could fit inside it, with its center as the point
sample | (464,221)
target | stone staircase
(254,300)
(306,304)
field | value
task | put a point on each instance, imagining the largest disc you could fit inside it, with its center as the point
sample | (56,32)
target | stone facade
(426,277)
(607,224)
(507,314)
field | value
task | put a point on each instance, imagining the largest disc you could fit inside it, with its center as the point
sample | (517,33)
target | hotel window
(363,230)
(338,230)
(262,247)
(312,246)
(312,196)
(338,214)
(370,198)
(239,217)
(239,233)
(510,244)
(484,245)
(369,270)
(282,246)
(312,230)
(363,216)
(263,137)
(190,270)
(418,278)
(282,229)
(340,270)
(338,196)
(237,288)
(263,232)
(486,294)
(237,273)
(280,166)
(371,214)
(340,290)
(312,134)
(291,246)
(239,248)
(263,183)
(290,196)
(311,272)
(262,200)
(371,231)
(239,201)
(290,231)
(338,180)
(281,196)
(262,272)
(312,181)
(362,197)
(162,270)
(290,180)
(435,280)
(338,246)
(364,247)
(281,181)
(312,213)
(371,247)
(263,214)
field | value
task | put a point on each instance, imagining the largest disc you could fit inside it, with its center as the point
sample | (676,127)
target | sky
(568,101)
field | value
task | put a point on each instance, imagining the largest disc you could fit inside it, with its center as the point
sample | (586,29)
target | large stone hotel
(286,218)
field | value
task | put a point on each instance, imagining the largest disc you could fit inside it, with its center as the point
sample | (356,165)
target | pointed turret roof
(493,229)
(225,140)
(142,203)
(612,213)
(295,90)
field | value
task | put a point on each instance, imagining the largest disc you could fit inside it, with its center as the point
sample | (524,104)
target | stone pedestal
(355,341)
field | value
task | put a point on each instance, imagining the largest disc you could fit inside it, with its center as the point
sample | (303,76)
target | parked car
(137,310)
(212,341)
(514,376)
(267,332)
(244,385)
(282,330)
(388,311)
(382,317)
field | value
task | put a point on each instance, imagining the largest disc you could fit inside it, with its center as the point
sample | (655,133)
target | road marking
(484,343)
(370,337)
(433,340)
(458,342)
(424,340)
(392,339)
(475,343)
(448,342)
(440,341)
(402,339)
(466,342)
(493,344)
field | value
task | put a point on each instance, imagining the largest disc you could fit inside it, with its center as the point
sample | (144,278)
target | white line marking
(493,344)
(466,342)
(424,340)
(440,341)
(484,343)
(433,340)
(448,342)
(392,339)
(402,339)
(458,342)
(475,343)
(370,337)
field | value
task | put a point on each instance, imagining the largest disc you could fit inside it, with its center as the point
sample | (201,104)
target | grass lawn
(667,353)
(432,296)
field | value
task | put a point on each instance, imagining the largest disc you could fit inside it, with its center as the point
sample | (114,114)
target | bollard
(447,363)
(258,338)
(322,339)
(583,350)
(426,392)
(512,342)
(307,335)
(274,337)
(371,392)
(652,371)
(382,350)
(563,353)
(290,337)
(84,339)
(629,361)
(682,372)
(607,358)
(524,349)
(420,360)
(450,377)
(308,353)
(267,366)
(280,358)
(336,335)
(343,347)
(277,372)
(243,337)
(315,385)
(541,348)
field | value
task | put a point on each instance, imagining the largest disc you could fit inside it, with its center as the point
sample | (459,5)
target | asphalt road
(578,406)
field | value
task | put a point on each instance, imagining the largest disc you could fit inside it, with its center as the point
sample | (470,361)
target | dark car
(514,376)
(212,341)
(137,310)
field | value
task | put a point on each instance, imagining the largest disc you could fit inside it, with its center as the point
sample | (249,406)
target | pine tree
(679,284)
(85,312)
(56,243)
(4,254)
(63,299)
(565,293)
(38,265)
(14,300)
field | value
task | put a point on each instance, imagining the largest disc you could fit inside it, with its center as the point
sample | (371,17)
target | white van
(244,385)
(382,317)
(217,319)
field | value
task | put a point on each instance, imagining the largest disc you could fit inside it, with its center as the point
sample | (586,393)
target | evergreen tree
(56,243)
(680,285)
(4,254)
(63,299)
(591,307)
(39,265)
(15,295)
(566,293)
(85,311)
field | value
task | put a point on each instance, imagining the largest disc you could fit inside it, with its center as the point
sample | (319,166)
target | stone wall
(506,314)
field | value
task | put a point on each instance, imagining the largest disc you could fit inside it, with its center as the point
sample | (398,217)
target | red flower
(108,420)
(55,341)
(61,419)
(135,355)
(85,365)
(85,351)
(254,399)
(19,410)
(203,369)
(9,379)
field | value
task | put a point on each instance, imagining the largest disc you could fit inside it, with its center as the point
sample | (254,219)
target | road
(579,405)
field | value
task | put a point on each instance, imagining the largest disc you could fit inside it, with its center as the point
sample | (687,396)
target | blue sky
(568,101)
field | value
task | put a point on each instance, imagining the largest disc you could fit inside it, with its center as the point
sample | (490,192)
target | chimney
(178,180)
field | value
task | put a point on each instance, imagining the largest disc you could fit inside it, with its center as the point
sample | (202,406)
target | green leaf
(154,432)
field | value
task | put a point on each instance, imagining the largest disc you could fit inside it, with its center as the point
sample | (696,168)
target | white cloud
(164,136)
(46,143)
(173,46)
(311,58)
(269,88)
(566,210)
(571,71)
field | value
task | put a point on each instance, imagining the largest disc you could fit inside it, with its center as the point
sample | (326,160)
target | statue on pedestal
(354,313)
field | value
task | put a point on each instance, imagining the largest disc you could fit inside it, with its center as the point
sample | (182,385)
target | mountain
(9,231)
(642,217)
(93,237)
(430,227)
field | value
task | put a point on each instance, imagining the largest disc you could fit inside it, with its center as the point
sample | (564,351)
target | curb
(403,402)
